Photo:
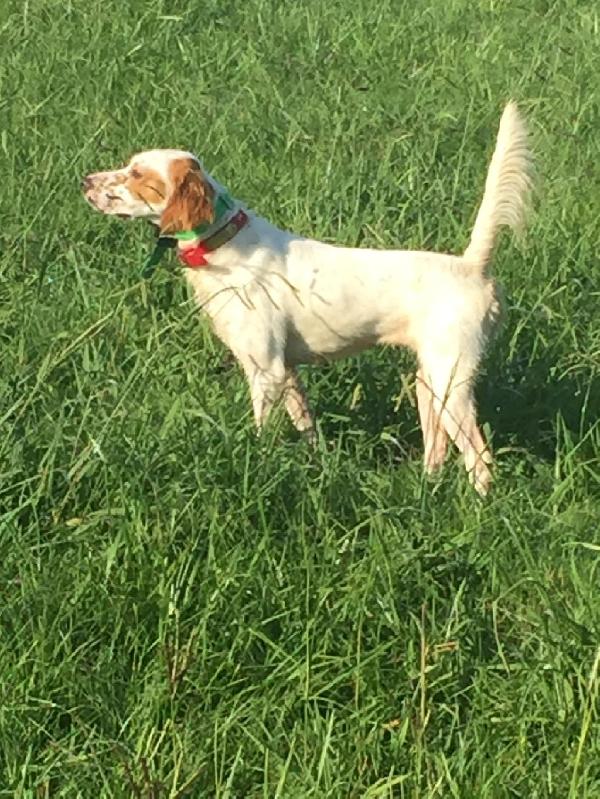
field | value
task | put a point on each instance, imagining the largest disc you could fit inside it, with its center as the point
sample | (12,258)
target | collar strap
(194,257)
(155,257)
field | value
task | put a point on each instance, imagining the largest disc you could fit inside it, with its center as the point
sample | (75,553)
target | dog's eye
(154,189)
(135,173)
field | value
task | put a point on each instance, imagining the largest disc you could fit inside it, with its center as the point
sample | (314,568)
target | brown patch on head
(146,184)
(190,203)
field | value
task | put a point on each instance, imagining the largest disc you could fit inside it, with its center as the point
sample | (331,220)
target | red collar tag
(193,256)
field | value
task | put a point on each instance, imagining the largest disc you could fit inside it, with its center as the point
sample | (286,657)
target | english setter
(277,299)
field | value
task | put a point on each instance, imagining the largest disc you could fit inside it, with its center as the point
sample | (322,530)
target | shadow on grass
(524,402)
(521,402)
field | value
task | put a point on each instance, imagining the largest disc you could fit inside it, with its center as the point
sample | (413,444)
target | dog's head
(168,187)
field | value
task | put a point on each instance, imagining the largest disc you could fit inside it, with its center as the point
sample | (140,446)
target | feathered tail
(507,188)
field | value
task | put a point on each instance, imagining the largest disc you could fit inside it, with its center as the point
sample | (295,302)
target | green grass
(186,610)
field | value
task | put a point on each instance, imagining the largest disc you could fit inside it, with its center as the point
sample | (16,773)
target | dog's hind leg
(451,384)
(435,437)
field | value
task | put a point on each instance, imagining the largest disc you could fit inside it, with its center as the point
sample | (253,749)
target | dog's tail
(507,189)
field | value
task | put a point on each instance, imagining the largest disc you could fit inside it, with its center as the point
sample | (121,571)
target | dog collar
(193,257)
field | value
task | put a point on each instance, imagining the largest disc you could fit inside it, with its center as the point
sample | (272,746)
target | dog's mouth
(92,199)
(104,203)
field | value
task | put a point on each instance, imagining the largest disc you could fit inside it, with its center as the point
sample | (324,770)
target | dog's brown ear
(191,200)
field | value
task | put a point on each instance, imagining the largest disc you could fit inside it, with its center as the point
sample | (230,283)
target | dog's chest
(244,312)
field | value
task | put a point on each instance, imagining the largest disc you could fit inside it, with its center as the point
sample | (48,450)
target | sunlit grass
(187,610)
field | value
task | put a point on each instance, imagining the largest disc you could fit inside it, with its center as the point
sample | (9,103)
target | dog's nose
(86,183)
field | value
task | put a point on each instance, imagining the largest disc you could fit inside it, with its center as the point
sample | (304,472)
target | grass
(188,611)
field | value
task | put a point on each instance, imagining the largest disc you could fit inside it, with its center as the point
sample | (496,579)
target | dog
(278,300)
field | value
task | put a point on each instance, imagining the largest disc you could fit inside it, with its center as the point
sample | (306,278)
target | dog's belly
(315,338)
(327,346)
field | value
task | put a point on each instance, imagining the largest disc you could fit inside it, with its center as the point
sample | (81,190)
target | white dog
(278,300)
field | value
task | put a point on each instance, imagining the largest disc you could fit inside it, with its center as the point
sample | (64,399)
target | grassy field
(186,610)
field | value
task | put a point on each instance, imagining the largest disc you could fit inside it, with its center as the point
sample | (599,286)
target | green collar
(221,206)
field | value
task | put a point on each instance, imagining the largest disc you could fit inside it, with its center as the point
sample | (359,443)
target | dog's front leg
(296,405)
(267,383)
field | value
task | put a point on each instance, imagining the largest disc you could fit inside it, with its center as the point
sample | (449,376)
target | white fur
(278,300)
